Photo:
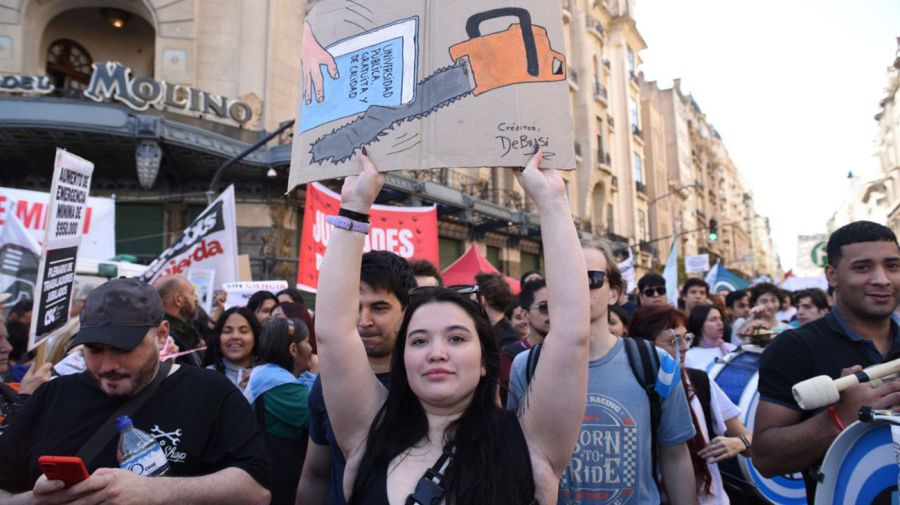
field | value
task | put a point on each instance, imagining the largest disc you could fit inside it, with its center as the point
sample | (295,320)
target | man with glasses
(613,462)
(652,290)
(533,299)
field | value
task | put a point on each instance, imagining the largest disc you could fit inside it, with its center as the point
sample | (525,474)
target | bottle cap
(123,422)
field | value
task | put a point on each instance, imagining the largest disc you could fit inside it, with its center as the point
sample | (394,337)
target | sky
(791,85)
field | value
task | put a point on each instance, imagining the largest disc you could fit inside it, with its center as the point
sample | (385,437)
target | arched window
(68,65)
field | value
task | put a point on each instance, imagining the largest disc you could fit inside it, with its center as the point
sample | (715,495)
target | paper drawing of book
(377,67)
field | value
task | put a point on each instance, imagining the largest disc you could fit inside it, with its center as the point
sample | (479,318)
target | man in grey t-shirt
(612,461)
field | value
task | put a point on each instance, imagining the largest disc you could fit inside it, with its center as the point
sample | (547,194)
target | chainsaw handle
(531,57)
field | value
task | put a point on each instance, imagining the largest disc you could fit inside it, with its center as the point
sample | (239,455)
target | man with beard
(18,322)
(180,303)
(385,281)
(864,270)
(212,443)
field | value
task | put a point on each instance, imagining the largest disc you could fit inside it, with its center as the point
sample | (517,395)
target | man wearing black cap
(205,427)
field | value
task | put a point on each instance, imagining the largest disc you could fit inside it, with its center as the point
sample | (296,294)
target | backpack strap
(644,364)
(531,364)
(703,390)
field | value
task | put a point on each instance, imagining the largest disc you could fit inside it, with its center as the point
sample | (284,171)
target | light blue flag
(669,375)
(670,274)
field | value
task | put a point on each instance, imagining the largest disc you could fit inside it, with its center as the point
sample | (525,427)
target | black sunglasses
(543,308)
(657,291)
(463,289)
(595,279)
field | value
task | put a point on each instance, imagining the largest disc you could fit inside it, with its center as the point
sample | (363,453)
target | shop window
(531,262)
(140,230)
(493,257)
(450,250)
(69,65)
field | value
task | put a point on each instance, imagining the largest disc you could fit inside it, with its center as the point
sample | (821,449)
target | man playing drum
(864,270)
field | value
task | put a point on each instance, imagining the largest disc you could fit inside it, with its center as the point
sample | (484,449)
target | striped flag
(669,375)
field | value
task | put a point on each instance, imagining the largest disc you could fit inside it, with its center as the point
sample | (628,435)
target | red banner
(411,232)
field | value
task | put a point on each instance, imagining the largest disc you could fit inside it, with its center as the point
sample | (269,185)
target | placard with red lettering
(411,232)
(33,209)
(210,242)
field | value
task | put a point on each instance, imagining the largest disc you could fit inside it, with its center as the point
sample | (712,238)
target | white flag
(210,242)
(626,267)
(670,274)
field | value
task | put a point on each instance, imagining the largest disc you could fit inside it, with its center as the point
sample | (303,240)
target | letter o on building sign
(146,89)
(240,112)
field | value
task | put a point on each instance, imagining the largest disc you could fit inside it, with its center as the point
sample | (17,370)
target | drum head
(860,467)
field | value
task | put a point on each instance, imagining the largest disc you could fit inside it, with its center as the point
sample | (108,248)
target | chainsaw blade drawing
(374,75)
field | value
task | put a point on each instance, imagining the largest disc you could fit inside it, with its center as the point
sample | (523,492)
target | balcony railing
(637,131)
(615,182)
(640,187)
(573,75)
(476,187)
(611,121)
(604,157)
(577,149)
(599,91)
(595,25)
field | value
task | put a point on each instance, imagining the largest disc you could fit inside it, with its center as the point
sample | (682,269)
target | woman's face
(713,326)
(520,321)
(236,340)
(616,327)
(302,354)
(443,357)
(666,340)
(264,311)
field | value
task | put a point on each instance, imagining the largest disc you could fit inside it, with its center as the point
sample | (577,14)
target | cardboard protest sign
(56,272)
(210,242)
(239,293)
(203,280)
(33,210)
(20,256)
(411,232)
(428,84)
(696,264)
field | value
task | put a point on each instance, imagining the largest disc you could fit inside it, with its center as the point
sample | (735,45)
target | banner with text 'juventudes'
(210,242)
(65,225)
(411,232)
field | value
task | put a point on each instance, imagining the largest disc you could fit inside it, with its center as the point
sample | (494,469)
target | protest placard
(471,83)
(56,272)
(33,210)
(203,280)
(411,232)
(696,264)
(210,242)
(239,293)
(20,256)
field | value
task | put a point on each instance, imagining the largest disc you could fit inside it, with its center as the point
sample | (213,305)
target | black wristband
(356,216)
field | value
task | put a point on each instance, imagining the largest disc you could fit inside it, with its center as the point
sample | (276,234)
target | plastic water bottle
(138,451)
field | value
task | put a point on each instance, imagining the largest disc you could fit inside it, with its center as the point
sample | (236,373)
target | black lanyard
(430,488)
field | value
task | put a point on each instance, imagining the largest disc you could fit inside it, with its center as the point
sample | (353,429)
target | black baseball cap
(119,314)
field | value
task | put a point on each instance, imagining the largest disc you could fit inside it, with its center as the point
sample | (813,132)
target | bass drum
(738,374)
(860,467)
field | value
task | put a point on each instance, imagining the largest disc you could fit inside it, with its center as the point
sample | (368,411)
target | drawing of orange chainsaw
(520,54)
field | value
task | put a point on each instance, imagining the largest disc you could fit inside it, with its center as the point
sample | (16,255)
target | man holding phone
(205,427)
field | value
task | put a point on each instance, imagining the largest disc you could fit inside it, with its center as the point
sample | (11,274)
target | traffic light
(713,229)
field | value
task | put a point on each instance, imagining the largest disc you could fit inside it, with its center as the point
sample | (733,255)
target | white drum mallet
(823,390)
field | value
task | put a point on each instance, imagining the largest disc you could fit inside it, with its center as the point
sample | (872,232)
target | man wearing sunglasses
(652,290)
(614,458)
(533,299)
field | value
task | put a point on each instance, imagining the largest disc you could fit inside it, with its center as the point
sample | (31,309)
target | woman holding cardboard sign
(439,432)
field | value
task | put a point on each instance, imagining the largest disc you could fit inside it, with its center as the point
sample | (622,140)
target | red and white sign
(33,208)
(411,232)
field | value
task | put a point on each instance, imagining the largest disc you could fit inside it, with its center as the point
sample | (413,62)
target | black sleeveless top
(375,491)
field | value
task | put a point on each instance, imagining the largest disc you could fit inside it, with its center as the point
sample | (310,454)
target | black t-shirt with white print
(200,419)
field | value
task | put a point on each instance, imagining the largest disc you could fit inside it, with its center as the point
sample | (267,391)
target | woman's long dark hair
(276,340)
(697,319)
(214,354)
(491,464)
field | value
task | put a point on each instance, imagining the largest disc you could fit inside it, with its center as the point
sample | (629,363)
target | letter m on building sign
(668,377)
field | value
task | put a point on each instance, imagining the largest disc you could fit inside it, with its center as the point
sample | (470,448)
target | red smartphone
(69,469)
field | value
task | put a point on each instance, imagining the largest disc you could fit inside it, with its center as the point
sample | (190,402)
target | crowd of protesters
(396,386)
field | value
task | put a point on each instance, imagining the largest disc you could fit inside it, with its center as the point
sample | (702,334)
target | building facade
(178,88)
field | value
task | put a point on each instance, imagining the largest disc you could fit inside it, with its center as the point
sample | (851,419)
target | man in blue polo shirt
(864,270)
